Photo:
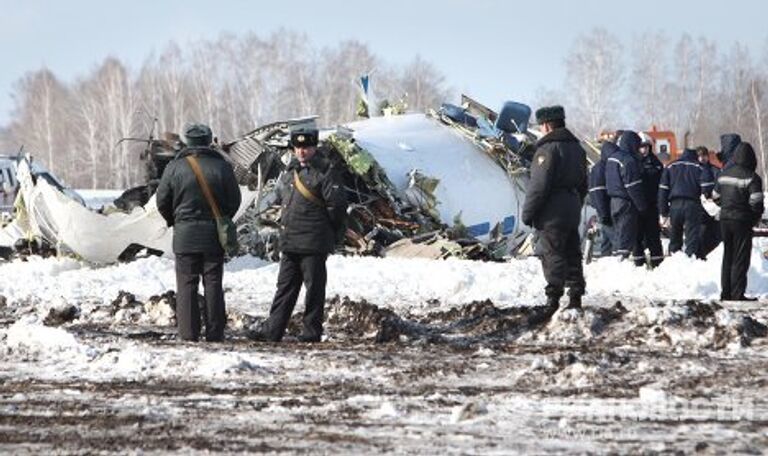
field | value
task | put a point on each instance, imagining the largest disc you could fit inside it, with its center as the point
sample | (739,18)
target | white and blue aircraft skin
(472,185)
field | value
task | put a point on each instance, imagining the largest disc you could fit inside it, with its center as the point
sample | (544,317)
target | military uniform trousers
(295,269)
(685,219)
(560,254)
(189,268)
(737,250)
(625,225)
(648,238)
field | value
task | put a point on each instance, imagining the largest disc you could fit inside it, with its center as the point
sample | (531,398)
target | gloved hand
(606,221)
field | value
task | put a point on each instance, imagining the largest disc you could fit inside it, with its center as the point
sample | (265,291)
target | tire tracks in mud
(424,364)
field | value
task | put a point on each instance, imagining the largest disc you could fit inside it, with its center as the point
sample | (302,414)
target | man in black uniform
(649,233)
(739,191)
(553,205)
(182,204)
(312,220)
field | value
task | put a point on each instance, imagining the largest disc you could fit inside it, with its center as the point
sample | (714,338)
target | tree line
(686,85)
(237,82)
(233,84)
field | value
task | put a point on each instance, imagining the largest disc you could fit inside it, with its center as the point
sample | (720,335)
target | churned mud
(619,376)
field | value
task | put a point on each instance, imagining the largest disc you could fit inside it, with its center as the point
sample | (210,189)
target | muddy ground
(625,377)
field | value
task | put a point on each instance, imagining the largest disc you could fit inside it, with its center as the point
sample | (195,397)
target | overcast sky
(493,50)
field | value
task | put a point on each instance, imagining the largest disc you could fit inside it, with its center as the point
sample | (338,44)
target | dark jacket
(739,190)
(684,178)
(183,206)
(728,144)
(598,195)
(558,182)
(709,175)
(305,226)
(622,172)
(651,170)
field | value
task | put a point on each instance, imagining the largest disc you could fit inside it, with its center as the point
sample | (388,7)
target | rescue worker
(598,197)
(313,212)
(739,192)
(682,184)
(728,144)
(623,182)
(183,205)
(710,227)
(553,205)
(649,232)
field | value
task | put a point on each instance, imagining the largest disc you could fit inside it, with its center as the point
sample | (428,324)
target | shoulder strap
(305,191)
(203,185)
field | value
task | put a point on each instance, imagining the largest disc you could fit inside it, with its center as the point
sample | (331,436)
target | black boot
(551,306)
(574,303)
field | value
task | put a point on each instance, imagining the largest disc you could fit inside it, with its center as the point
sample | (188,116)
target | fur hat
(198,135)
(549,113)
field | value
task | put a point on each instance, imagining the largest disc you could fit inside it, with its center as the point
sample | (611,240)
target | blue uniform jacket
(598,193)
(683,178)
(623,178)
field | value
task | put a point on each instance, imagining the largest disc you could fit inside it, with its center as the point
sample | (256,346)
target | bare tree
(594,79)
(232,83)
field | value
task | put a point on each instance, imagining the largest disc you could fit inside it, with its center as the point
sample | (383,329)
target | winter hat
(728,143)
(198,135)
(549,114)
(630,141)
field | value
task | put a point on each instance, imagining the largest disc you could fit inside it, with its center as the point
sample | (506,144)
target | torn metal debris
(449,183)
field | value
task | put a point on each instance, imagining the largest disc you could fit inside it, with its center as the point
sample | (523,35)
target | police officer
(710,228)
(739,191)
(623,182)
(682,183)
(182,204)
(312,221)
(553,205)
(649,233)
(598,197)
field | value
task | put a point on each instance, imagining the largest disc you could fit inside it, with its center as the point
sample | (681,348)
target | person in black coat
(624,184)
(599,199)
(710,227)
(649,232)
(181,202)
(553,203)
(312,221)
(739,192)
(682,184)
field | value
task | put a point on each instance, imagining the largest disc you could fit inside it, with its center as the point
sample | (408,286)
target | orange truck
(664,144)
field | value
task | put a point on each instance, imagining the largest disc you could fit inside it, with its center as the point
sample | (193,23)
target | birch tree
(594,80)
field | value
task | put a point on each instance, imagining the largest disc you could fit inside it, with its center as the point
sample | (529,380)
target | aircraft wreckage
(448,183)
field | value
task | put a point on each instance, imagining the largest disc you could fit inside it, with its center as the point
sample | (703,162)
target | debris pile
(400,210)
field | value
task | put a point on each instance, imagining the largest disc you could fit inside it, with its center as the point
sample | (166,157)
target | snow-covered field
(421,357)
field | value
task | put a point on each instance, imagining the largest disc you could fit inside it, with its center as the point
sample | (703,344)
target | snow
(415,285)
(589,381)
